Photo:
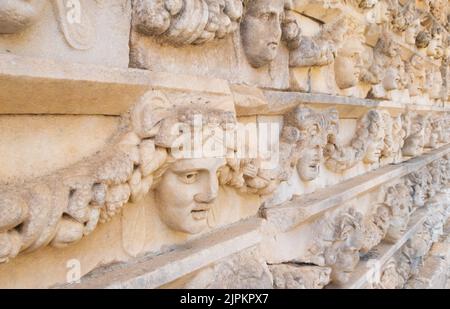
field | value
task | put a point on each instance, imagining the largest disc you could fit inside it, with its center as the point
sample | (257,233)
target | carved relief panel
(67,30)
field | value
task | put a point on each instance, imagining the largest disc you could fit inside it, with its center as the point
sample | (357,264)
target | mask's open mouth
(272,45)
(200,213)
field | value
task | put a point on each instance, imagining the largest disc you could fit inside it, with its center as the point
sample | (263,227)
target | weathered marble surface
(224,143)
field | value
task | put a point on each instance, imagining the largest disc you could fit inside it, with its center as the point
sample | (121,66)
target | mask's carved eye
(189,177)
(265,16)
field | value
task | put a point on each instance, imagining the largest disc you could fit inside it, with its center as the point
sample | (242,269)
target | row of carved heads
(148,154)
(263,25)
(344,236)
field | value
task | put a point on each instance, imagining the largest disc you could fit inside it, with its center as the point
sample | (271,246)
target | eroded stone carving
(415,139)
(413,252)
(337,245)
(399,200)
(348,66)
(261,30)
(17,15)
(368,145)
(62,208)
(401,17)
(390,278)
(409,260)
(301,144)
(387,68)
(293,276)
(413,30)
(318,50)
(244,270)
(417,76)
(395,135)
(182,22)
(313,131)
(435,48)
(439,9)
(376,227)
(418,184)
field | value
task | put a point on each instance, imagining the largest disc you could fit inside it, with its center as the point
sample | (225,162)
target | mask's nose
(209,194)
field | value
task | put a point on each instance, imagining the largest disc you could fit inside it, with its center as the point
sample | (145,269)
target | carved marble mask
(16,15)
(343,256)
(186,192)
(315,128)
(348,64)
(391,79)
(376,145)
(400,201)
(415,141)
(261,31)
(308,166)
(374,150)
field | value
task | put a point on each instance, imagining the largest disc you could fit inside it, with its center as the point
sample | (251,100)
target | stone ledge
(298,210)
(364,271)
(280,102)
(316,10)
(39,86)
(155,271)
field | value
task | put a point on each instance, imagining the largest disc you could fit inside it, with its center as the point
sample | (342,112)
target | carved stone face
(343,256)
(313,130)
(186,193)
(348,64)
(308,166)
(347,239)
(400,202)
(382,218)
(261,31)
(375,148)
(391,80)
(16,15)
(390,278)
(415,141)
